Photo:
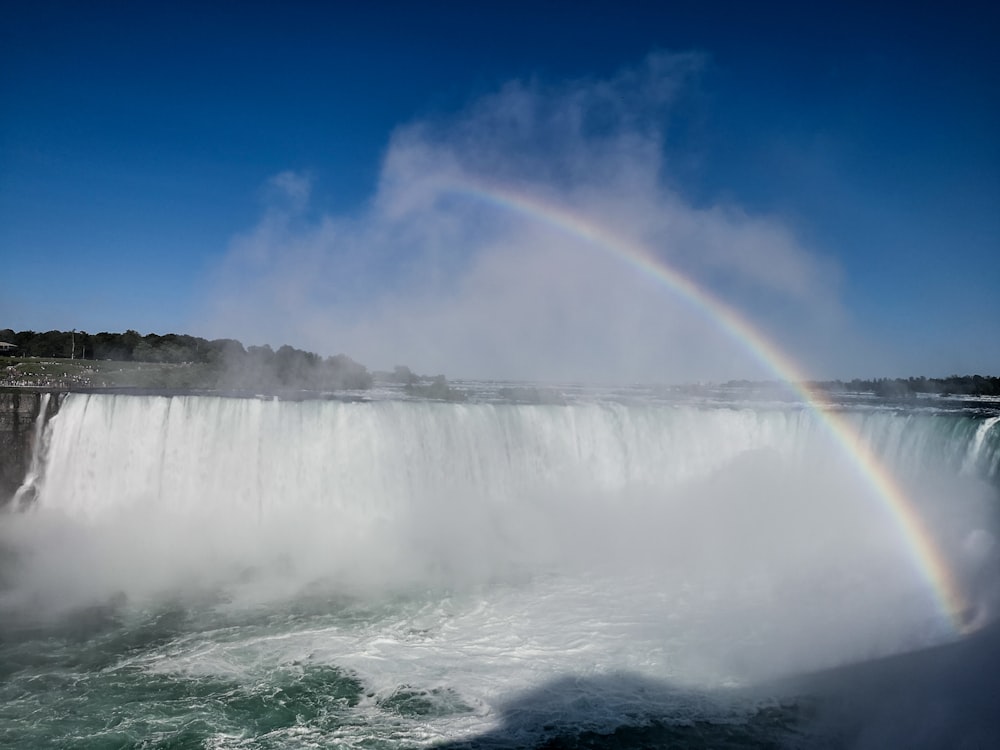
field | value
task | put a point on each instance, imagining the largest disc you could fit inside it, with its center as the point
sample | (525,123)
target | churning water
(246,573)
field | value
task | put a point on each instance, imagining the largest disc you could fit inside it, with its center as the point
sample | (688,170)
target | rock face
(19,411)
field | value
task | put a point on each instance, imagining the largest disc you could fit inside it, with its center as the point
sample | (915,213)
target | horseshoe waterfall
(608,570)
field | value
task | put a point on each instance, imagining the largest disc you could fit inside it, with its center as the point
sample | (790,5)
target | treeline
(953,385)
(423,386)
(226,361)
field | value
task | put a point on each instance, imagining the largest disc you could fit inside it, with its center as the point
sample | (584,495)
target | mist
(427,274)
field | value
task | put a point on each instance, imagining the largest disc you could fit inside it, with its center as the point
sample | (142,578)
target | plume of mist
(445,281)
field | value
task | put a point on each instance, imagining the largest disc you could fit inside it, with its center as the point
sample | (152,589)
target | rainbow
(920,543)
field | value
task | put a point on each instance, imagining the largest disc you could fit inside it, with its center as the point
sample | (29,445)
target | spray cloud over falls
(433,276)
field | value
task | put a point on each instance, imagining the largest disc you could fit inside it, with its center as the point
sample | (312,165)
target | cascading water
(29,487)
(397,573)
(983,452)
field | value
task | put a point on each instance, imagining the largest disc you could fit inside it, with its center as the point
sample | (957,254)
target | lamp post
(72,351)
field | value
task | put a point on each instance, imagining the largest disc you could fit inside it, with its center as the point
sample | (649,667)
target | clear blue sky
(148,150)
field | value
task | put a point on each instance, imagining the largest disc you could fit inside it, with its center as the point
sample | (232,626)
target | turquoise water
(186,676)
(91,680)
(191,676)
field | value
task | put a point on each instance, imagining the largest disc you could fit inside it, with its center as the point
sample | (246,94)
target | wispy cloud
(441,281)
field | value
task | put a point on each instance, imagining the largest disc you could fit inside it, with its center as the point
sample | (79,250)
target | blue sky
(245,170)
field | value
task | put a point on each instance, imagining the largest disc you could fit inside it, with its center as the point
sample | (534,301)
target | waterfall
(28,490)
(257,457)
(396,565)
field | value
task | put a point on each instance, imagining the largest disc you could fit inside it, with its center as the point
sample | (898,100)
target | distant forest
(232,364)
(953,385)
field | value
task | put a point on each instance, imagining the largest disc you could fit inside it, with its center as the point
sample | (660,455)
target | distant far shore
(77,360)
(167,378)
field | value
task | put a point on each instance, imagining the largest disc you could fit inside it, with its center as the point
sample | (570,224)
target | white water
(488,549)
(29,486)
(978,452)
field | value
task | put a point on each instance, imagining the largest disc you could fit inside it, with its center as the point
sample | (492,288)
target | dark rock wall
(18,415)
